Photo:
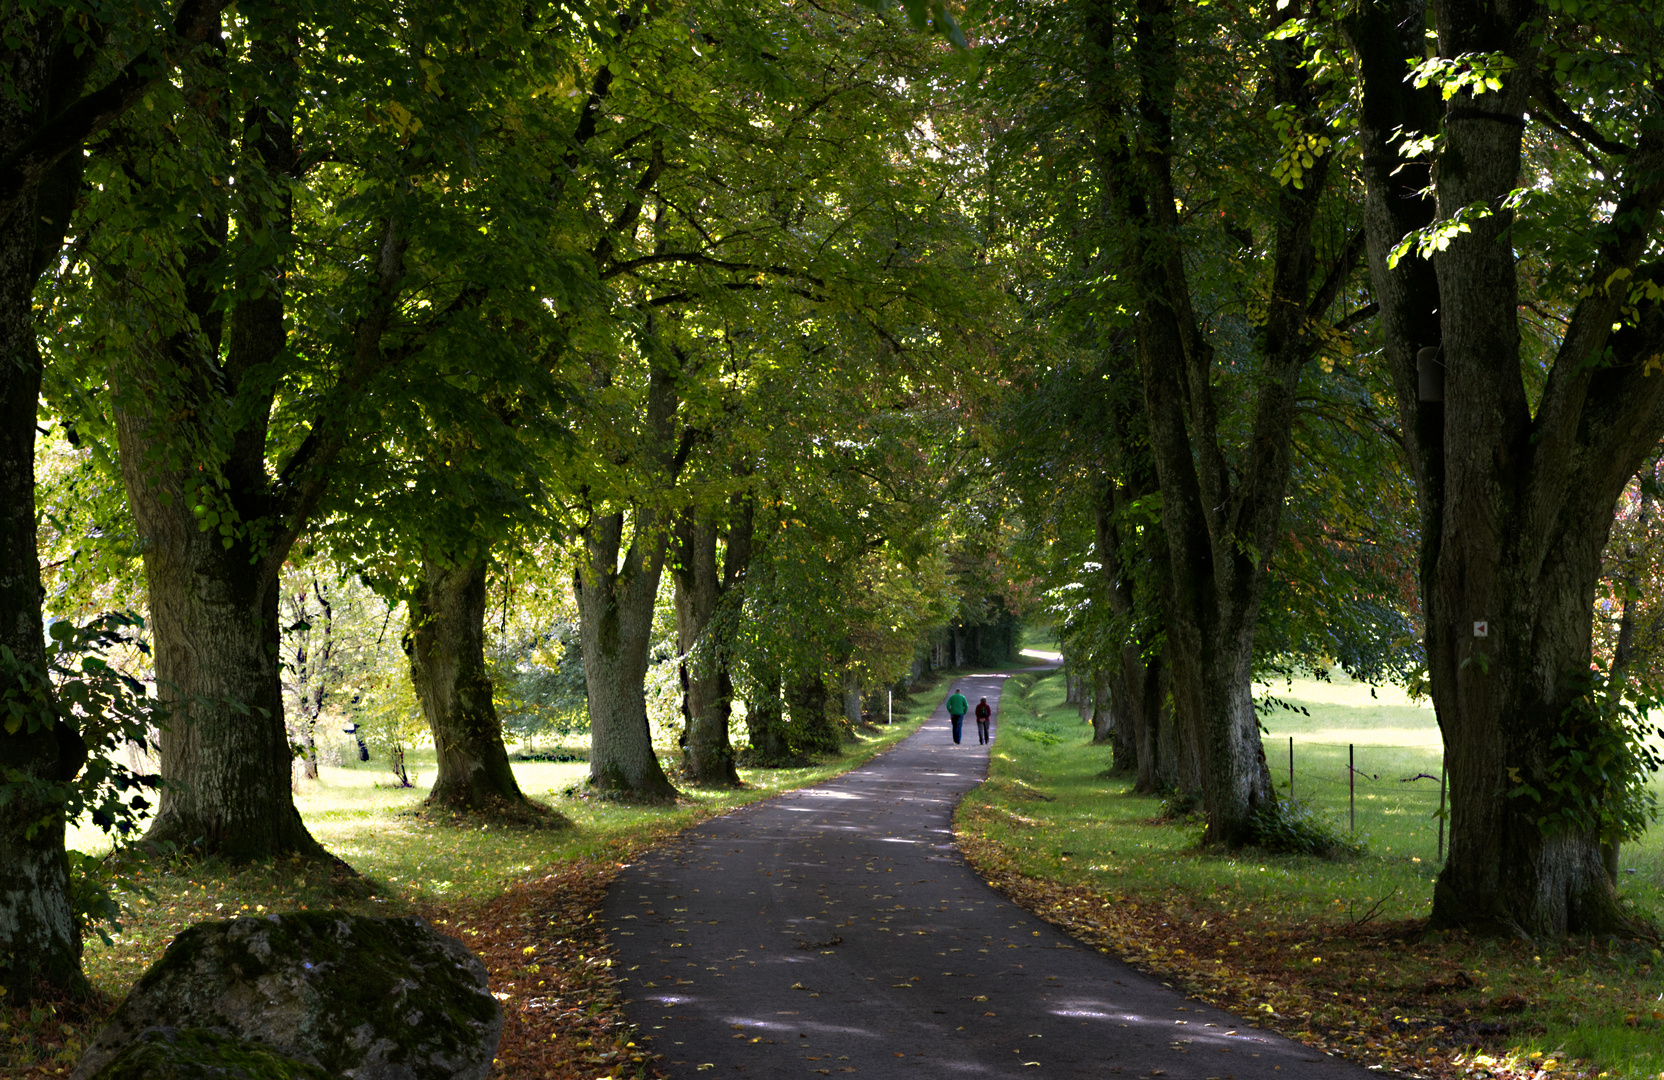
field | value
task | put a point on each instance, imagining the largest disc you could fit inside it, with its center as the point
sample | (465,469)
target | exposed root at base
(525,814)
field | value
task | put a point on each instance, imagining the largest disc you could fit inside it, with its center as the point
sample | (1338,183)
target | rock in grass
(358,997)
(200,1054)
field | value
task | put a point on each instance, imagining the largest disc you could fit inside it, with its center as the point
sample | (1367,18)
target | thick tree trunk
(615,623)
(446,643)
(852,700)
(225,755)
(1516,499)
(40,941)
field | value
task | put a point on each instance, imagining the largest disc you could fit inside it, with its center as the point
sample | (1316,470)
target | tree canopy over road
(461,371)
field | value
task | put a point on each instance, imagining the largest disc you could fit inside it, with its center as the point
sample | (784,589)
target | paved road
(836,930)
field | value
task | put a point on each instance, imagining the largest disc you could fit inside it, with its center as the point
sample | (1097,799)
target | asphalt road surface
(835,930)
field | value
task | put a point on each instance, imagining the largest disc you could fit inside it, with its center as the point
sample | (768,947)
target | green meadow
(1055,811)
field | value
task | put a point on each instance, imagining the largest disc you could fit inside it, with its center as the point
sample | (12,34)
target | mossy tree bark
(446,644)
(1517,501)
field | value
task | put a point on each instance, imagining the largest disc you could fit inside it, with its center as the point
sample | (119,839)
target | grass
(1334,952)
(475,879)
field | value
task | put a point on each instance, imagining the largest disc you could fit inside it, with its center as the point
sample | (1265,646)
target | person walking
(984,714)
(957,707)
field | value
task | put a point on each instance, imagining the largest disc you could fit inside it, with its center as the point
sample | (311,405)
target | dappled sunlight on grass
(450,869)
(1333,952)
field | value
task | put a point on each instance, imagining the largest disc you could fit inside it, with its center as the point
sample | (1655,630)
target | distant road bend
(836,930)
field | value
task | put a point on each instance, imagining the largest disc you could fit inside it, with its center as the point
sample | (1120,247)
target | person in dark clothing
(984,714)
(957,707)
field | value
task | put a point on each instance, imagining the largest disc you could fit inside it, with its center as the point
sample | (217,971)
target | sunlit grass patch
(1332,951)
(409,863)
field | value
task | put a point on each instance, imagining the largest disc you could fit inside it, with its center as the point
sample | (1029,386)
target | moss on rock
(200,1054)
(365,998)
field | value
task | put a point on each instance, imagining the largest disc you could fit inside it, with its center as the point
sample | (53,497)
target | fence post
(1440,858)
(1291,766)
(1352,786)
(890,708)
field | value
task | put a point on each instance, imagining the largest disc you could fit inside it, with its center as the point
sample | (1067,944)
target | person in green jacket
(957,707)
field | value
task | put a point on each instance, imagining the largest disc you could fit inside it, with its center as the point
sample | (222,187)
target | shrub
(1293,827)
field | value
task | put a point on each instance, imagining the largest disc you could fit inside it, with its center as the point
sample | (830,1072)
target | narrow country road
(836,930)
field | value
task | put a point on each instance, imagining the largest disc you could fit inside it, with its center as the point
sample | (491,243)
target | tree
(1221,505)
(701,175)
(66,74)
(242,371)
(1522,433)
(703,586)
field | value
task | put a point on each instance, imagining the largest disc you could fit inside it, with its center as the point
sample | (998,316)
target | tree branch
(29,163)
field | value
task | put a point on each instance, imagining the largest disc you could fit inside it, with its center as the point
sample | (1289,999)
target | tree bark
(446,644)
(225,754)
(45,118)
(852,699)
(311,668)
(1137,674)
(1220,519)
(1517,502)
(707,758)
(707,687)
(765,722)
(615,623)
(1103,719)
(812,726)
(40,940)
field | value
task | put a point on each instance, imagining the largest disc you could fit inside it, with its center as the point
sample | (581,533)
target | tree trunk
(446,644)
(615,623)
(40,940)
(47,68)
(814,730)
(707,689)
(765,721)
(1150,718)
(1517,499)
(1103,707)
(225,755)
(1220,511)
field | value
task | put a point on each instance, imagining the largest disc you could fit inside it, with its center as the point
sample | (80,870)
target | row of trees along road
(1425,233)
(427,284)
(1304,286)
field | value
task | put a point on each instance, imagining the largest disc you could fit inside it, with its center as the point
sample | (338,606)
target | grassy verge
(1337,953)
(522,898)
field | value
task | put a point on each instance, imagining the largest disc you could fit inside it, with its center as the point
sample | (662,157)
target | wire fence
(1392,796)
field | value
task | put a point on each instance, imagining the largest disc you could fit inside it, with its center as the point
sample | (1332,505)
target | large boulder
(358,997)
